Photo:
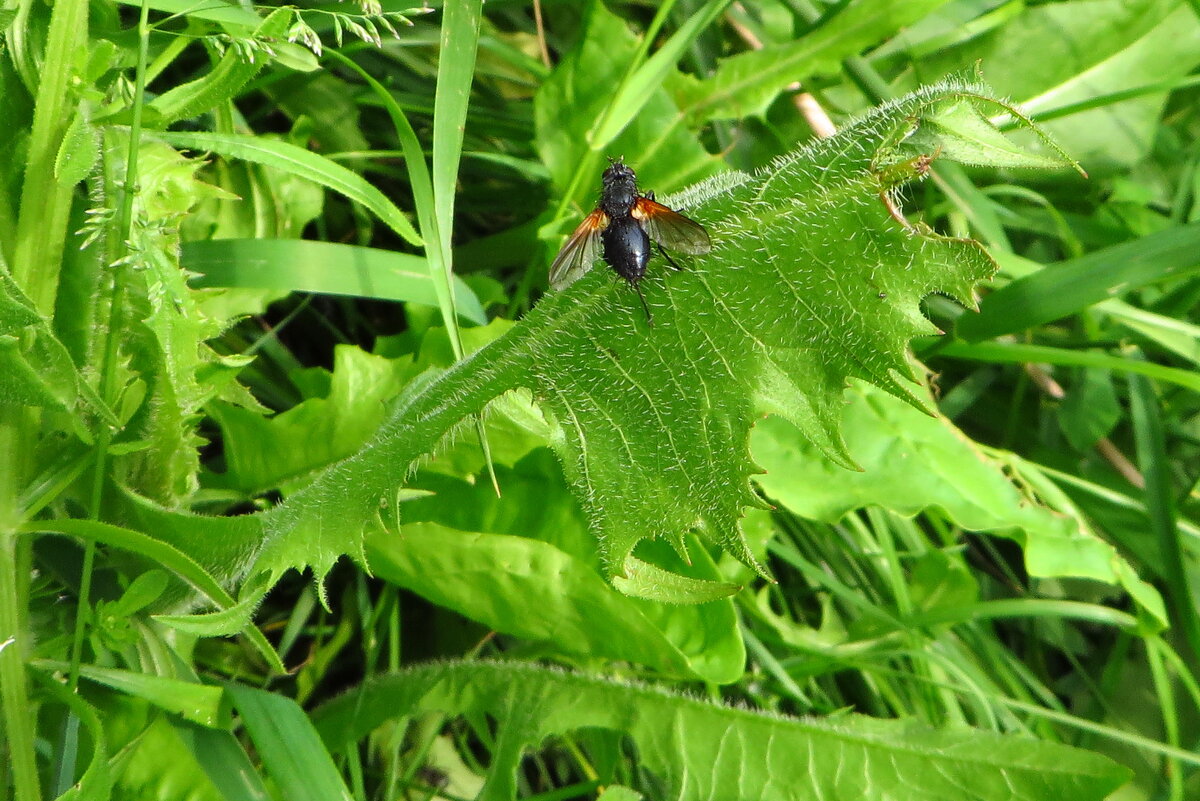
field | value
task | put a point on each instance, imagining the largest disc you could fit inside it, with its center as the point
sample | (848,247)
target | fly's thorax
(620,191)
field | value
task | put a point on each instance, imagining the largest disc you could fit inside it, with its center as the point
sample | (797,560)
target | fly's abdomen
(626,248)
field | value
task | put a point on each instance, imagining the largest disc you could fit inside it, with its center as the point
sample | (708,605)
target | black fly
(624,224)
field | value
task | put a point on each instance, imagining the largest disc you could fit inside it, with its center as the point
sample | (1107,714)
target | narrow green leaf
(199,703)
(291,751)
(456,70)
(1090,409)
(298,161)
(156,550)
(223,760)
(1160,505)
(227,15)
(96,782)
(1063,289)
(299,265)
(1004,353)
(726,753)
(1178,336)
(223,623)
(665,151)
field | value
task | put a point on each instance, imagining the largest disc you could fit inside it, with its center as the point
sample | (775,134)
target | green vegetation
(898,498)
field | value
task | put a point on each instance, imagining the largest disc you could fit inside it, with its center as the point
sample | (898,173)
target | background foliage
(272,293)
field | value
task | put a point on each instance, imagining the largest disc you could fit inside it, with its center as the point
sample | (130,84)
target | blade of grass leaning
(1005,353)
(303,163)
(1063,289)
(637,87)
(202,704)
(456,70)
(1152,459)
(223,760)
(438,255)
(325,267)
(291,750)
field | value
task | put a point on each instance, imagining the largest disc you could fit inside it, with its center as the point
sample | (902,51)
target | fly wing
(580,252)
(670,228)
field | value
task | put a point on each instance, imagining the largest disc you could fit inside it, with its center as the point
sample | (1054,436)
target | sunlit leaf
(705,751)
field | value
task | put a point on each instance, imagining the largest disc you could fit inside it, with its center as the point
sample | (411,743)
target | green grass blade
(639,87)
(1063,289)
(303,163)
(291,750)
(1004,353)
(224,761)
(1160,504)
(202,704)
(325,267)
(456,67)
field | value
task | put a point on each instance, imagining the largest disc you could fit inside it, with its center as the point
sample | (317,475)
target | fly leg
(638,289)
(662,251)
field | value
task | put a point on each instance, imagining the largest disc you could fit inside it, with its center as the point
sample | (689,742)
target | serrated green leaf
(644,580)
(1117,45)
(653,421)
(701,750)
(967,137)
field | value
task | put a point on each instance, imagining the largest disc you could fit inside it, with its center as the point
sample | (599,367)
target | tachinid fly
(621,229)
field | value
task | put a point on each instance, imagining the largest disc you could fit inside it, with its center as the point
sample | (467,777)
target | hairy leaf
(699,750)
(811,281)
